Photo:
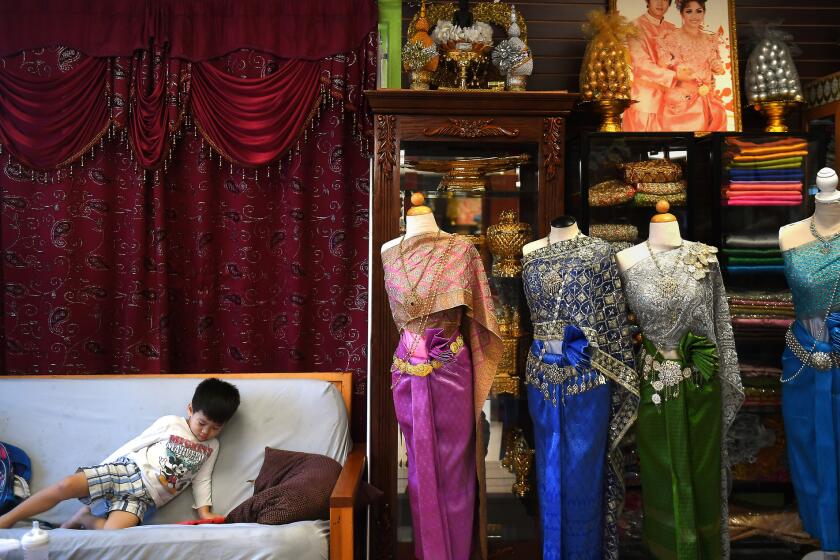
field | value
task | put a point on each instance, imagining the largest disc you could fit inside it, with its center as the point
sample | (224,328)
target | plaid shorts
(119,485)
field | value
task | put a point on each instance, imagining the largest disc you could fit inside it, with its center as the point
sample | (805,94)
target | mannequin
(578,367)
(440,379)
(418,220)
(811,362)
(562,228)
(663,235)
(826,214)
(689,386)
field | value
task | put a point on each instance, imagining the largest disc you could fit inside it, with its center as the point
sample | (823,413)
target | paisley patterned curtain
(176,238)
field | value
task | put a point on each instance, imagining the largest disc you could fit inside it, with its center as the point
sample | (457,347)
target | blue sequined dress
(811,387)
(582,394)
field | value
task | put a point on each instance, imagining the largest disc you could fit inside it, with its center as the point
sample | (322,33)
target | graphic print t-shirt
(170,458)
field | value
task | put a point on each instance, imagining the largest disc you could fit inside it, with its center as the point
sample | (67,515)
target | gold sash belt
(425,368)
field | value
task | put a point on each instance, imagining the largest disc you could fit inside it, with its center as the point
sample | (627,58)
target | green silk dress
(686,404)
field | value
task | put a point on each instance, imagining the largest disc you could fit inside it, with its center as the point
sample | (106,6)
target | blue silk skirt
(571,447)
(811,410)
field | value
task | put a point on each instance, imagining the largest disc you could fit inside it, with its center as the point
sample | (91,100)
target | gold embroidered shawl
(462,284)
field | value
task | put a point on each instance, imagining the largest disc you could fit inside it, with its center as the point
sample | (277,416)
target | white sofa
(71,421)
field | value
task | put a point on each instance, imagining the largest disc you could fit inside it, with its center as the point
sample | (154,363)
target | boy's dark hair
(217,399)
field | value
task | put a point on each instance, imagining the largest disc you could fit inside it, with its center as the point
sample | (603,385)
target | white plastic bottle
(35,544)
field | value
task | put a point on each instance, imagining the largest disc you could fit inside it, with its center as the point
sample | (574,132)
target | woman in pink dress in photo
(694,55)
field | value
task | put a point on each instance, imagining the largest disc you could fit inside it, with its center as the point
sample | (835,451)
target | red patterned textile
(202,265)
(193,29)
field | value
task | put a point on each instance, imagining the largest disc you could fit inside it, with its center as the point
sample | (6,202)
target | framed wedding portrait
(685,66)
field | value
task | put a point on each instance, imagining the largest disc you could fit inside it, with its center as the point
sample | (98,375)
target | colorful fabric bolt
(754,269)
(763,201)
(772,155)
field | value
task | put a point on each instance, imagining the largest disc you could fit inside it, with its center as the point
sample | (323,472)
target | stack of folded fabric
(752,312)
(610,193)
(765,174)
(620,236)
(753,254)
(655,180)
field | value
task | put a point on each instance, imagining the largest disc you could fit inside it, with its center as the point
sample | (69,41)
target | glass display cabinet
(603,192)
(490,165)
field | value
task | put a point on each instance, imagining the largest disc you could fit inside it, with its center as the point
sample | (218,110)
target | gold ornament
(606,70)
(467,174)
(505,241)
(495,13)
(775,112)
(519,459)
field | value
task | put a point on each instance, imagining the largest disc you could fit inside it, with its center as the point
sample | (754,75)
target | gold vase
(775,112)
(420,79)
(516,83)
(522,460)
(610,111)
(505,241)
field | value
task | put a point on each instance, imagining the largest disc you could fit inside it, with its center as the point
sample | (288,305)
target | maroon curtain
(193,29)
(202,265)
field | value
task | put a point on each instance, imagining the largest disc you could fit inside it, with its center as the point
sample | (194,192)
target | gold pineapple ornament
(606,75)
(606,72)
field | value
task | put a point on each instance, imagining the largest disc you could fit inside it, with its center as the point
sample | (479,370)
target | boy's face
(202,427)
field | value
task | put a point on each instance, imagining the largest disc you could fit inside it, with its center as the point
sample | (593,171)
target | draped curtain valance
(149,96)
(193,29)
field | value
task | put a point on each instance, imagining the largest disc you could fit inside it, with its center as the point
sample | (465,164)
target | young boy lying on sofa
(148,471)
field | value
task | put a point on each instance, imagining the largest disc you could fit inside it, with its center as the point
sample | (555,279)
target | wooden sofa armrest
(342,502)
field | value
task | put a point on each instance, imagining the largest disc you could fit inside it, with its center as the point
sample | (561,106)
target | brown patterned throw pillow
(291,486)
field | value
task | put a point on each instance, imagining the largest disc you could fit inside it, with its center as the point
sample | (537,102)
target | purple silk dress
(436,418)
(438,404)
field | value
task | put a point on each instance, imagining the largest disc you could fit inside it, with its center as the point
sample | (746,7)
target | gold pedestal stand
(463,59)
(775,112)
(610,111)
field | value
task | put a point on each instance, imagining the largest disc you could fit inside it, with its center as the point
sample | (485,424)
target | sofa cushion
(305,540)
(291,486)
(67,422)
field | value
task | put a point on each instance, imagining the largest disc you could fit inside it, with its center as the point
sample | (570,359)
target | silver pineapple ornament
(771,74)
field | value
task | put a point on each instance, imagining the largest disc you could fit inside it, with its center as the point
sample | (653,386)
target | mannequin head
(563,221)
(827,183)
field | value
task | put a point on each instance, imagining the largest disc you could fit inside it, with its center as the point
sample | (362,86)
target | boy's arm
(149,436)
(201,486)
